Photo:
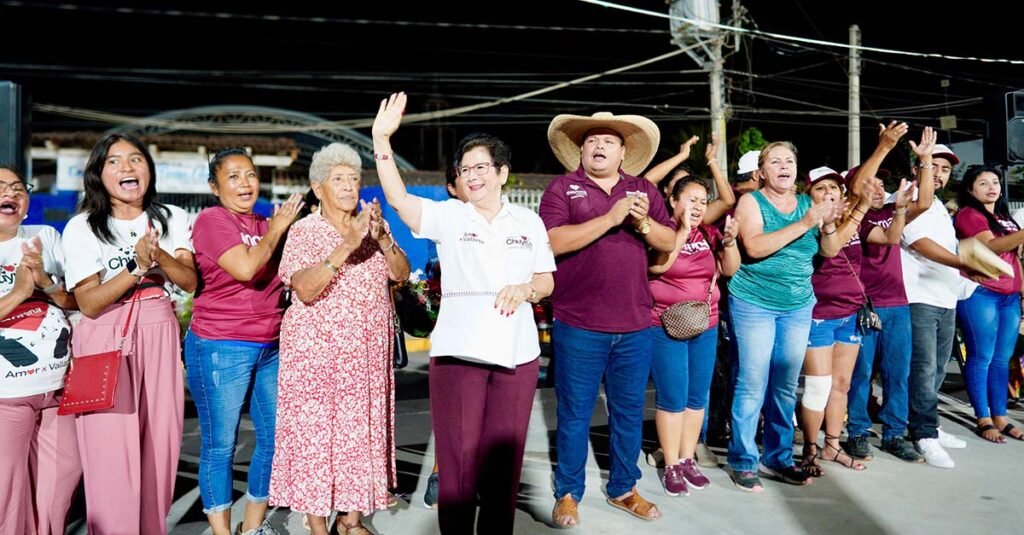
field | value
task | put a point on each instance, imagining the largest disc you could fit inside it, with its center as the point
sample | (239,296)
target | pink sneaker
(675,483)
(693,475)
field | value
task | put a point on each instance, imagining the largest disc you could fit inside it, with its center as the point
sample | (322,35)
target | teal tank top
(782,280)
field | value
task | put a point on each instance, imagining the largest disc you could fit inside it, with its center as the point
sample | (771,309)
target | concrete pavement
(982,494)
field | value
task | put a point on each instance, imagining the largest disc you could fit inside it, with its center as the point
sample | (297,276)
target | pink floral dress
(334,447)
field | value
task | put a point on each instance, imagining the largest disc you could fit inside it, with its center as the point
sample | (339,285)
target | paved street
(981,495)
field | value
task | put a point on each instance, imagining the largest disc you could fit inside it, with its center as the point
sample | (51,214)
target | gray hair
(332,156)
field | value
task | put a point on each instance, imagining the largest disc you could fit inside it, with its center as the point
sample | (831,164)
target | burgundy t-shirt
(689,277)
(836,281)
(970,222)
(224,308)
(603,286)
(881,269)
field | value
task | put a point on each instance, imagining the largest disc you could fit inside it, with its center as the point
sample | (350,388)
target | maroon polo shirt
(603,286)
(836,280)
(881,268)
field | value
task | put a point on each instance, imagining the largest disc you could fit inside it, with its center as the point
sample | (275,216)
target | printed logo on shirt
(472,237)
(519,242)
(884,223)
(250,241)
(7,274)
(1007,225)
(695,247)
(855,240)
(637,193)
(125,255)
(575,192)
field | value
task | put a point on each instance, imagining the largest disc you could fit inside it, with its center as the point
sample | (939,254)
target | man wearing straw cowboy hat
(600,219)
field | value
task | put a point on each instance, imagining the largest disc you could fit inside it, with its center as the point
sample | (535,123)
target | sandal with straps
(993,433)
(565,507)
(636,505)
(841,457)
(809,463)
(1008,430)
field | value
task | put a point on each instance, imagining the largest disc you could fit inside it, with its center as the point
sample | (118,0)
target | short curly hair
(331,156)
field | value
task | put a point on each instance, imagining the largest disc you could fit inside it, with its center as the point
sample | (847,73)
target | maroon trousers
(480,415)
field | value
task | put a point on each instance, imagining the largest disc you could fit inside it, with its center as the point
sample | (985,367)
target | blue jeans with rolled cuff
(893,343)
(222,376)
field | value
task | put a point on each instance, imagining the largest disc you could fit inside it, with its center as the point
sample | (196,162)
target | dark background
(337,60)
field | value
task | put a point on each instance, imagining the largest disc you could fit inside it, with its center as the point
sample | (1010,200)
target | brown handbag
(91,381)
(687,319)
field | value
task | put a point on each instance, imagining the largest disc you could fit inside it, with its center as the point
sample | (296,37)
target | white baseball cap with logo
(821,173)
(748,162)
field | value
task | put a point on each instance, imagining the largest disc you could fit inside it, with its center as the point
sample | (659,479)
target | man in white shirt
(931,274)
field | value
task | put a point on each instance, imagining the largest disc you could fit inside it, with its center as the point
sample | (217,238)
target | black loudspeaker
(1005,141)
(14,127)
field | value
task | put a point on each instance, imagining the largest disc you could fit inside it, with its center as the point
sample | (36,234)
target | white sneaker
(947,440)
(934,454)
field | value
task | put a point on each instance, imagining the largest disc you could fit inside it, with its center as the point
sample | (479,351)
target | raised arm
(660,171)
(726,198)
(888,137)
(925,173)
(892,235)
(243,262)
(389,117)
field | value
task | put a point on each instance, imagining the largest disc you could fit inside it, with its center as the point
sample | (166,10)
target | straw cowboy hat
(640,137)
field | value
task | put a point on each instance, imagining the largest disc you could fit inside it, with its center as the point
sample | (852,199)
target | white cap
(942,151)
(748,162)
(822,173)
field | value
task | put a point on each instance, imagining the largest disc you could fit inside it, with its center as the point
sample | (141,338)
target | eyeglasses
(16,188)
(479,169)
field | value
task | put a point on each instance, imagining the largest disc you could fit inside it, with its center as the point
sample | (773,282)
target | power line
(133,10)
(707,24)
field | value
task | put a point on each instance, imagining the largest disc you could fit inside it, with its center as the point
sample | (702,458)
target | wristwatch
(645,225)
(134,270)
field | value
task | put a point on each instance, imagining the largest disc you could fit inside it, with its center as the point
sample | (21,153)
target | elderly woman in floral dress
(334,448)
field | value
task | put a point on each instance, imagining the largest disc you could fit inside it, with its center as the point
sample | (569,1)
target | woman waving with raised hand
(496,260)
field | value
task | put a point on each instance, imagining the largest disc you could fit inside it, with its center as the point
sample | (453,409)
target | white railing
(527,198)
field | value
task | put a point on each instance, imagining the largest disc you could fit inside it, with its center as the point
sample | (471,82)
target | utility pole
(718,102)
(853,144)
(708,56)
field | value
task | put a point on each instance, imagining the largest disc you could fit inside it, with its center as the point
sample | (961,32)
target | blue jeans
(771,347)
(894,343)
(682,369)
(932,329)
(990,323)
(624,360)
(826,333)
(222,375)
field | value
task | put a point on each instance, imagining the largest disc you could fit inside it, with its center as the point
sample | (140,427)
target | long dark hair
(96,201)
(964,198)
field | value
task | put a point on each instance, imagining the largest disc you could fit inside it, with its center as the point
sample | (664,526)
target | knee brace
(816,389)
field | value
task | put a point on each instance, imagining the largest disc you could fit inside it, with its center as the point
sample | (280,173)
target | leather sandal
(841,457)
(1008,430)
(565,507)
(809,463)
(635,505)
(993,437)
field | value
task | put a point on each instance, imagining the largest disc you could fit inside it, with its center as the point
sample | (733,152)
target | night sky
(337,60)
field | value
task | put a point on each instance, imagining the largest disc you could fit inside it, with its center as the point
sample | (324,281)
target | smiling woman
(233,363)
(126,246)
(39,464)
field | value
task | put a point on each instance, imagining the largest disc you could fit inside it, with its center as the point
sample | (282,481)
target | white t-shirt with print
(477,260)
(928,282)
(89,255)
(35,338)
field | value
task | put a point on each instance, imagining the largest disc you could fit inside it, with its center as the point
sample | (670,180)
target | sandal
(809,463)
(565,507)
(1008,431)
(636,505)
(357,529)
(993,434)
(841,457)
